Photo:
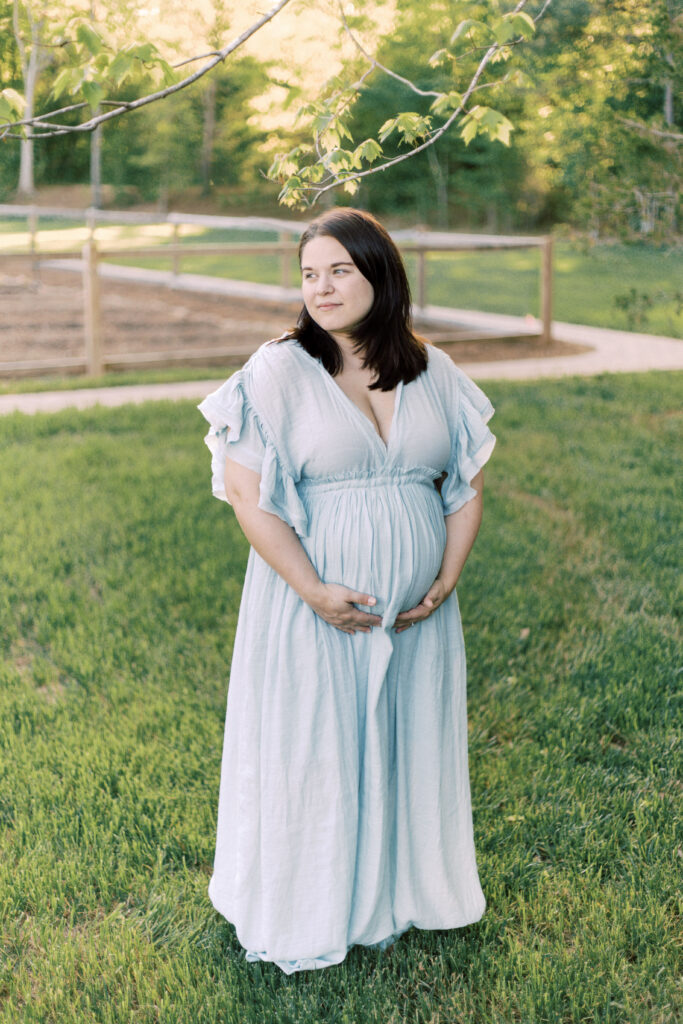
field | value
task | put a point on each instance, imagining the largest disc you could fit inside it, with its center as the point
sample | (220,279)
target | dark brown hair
(385,335)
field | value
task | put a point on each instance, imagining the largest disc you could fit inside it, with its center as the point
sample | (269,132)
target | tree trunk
(441,189)
(26,186)
(96,167)
(30,66)
(209,127)
(668,102)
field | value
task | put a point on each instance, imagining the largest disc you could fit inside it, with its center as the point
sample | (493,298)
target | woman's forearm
(461,530)
(279,546)
(275,541)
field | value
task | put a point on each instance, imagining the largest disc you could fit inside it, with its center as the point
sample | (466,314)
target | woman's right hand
(336,604)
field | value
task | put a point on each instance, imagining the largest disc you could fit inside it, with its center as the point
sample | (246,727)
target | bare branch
(319,190)
(375,63)
(121,108)
(542,11)
(648,129)
(191,60)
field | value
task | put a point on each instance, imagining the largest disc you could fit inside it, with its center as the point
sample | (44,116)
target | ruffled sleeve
(236,430)
(471,441)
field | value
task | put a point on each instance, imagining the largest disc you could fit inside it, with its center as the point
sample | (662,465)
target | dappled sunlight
(114,236)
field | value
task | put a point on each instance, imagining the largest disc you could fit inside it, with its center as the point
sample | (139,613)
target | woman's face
(335,293)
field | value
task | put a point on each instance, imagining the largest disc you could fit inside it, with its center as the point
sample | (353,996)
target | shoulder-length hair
(385,335)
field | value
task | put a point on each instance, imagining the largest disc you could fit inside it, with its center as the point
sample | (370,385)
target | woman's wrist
(312,592)
(448,582)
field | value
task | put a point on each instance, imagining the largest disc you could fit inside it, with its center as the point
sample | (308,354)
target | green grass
(122,579)
(114,379)
(586,283)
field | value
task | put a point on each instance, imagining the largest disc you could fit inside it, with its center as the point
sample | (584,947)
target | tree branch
(375,63)
(320,189)
(648,129)
(121,108)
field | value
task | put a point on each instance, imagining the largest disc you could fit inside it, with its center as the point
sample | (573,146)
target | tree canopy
(496,113)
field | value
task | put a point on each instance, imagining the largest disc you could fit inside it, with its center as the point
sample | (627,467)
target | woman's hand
(462,527)
(435,596)
(336,604)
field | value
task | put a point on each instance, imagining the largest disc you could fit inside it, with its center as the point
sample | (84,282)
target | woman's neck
(353,360)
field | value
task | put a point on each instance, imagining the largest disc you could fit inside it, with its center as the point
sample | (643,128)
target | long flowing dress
(344,809)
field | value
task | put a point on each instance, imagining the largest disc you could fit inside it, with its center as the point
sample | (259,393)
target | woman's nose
(324,284)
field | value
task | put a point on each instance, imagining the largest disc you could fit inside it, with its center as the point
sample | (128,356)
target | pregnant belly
(385,540)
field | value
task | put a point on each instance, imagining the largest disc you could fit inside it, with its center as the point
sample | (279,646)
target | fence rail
(417,243)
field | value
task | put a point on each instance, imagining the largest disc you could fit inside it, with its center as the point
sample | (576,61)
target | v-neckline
(359,412)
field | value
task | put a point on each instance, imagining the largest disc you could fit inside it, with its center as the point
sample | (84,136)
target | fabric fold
(237,430)
(278,493)
(471,446)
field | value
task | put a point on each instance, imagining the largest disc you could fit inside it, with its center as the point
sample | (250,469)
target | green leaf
(369,150)
(14,101)
(504,31)
(351,186)
(412,126)
(446,103)
(68,80)
(93,93)
(330,139)
(387,128)
(339,160)
(343,130)
(466,28)
(87,36)
(169,75)
(120,68)
(315,172)
(292,192)
(522,23)
(489,122)
(501,55)
(7,111)
(469,130)
(496,126)
(440,57)
(146,52)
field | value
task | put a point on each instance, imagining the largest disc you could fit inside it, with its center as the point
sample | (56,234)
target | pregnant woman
(351,452)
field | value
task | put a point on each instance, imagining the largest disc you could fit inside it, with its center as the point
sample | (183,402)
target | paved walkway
(610,351)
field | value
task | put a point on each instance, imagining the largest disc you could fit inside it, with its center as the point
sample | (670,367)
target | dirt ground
(42,319)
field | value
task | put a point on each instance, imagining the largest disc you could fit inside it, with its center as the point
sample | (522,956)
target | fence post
(92,319)
(547,290)
(91,221)
(285,276)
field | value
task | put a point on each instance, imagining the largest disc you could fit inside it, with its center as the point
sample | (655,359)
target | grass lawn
(122,579)
(171,374)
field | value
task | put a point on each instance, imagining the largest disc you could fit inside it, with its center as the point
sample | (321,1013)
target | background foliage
(594,98)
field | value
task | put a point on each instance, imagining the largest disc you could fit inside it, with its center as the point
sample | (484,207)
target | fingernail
(372,600)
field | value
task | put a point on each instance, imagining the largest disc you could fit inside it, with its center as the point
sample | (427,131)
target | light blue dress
(344,810)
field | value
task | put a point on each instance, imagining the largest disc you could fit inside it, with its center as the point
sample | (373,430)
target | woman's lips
(329,305)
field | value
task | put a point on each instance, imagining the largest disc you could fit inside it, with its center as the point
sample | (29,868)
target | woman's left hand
(435,596)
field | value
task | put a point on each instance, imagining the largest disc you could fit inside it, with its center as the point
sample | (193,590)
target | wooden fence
(96,360)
